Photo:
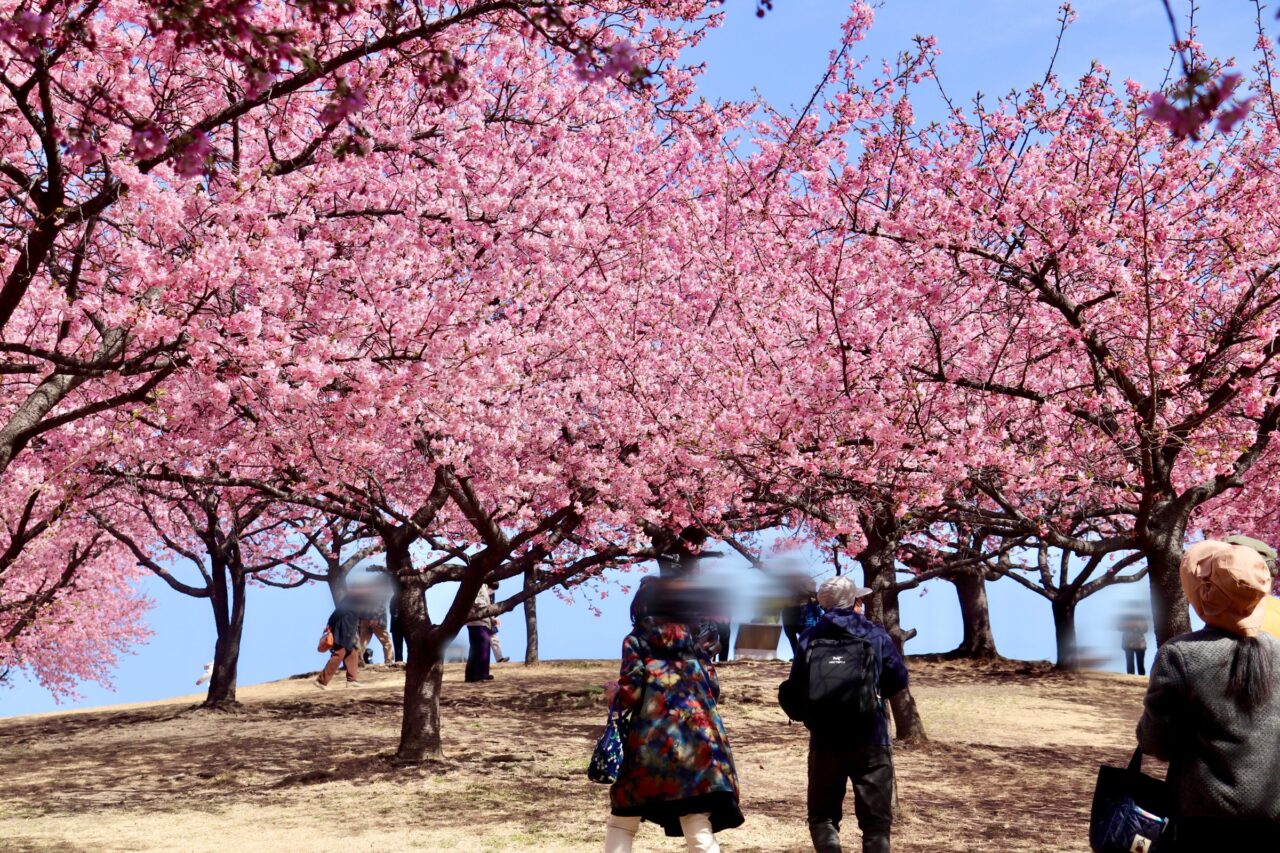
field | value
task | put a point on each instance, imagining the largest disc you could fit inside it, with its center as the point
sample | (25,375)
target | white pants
(621,834)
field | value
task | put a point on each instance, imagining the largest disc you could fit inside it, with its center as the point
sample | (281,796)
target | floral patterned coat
(676,757)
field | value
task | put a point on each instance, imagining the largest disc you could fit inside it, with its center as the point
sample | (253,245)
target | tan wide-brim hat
(1226,585)
(840,593)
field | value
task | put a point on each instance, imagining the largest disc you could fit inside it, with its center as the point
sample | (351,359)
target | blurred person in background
(495,644)
(344,624)
(370,599)
(723,632)
(479,632)
(803,611)
(397,630)
(1134,626)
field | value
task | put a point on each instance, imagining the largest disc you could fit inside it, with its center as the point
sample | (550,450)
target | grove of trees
(484,289)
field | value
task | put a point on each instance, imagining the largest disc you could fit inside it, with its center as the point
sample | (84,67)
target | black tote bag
(1131,810)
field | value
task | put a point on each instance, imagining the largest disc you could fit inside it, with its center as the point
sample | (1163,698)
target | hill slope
(1011,765)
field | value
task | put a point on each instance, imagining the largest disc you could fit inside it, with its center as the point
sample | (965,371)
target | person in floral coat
(677,769)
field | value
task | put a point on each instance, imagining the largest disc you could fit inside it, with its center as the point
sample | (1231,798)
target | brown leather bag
(326,640)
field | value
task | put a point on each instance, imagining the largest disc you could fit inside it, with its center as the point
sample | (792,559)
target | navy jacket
(836,624)
(344,623)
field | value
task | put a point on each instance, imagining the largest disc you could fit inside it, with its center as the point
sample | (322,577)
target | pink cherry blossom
(197,265)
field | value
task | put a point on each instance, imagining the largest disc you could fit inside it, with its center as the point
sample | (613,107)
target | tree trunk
(420,727)
(228,617)
(531,617)
(879,574)
(1064,631)
(906,716)
(424,669)
(1168,603)
(337,586)
(979,643)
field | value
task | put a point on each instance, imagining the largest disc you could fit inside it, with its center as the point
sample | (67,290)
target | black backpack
(839,685)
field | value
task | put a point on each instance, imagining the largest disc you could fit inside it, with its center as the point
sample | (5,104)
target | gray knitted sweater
(1223,762)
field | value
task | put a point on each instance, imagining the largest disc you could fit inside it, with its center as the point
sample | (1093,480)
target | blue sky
(987,45)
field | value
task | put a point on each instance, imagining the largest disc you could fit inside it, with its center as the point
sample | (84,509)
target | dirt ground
(1010,765)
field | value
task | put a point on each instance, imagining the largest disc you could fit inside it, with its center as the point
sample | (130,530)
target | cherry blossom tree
(1097,295)
(827,425)
(69,608)
(227,540)
(337,547)
(456,347)
(478,285)
(960,554)
(158,160)
(820,427)
(1063,579)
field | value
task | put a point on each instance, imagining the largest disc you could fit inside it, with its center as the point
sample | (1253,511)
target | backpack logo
(838,659)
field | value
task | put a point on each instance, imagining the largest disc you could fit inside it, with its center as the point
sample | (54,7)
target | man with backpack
(844,671)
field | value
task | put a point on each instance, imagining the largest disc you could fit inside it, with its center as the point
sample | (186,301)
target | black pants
(397,640)
(793,627)
(831,767)
(1135,661)
(477,654)
(722,629)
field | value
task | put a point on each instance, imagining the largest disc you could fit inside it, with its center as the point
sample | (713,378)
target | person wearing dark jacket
(848,748)
(798,615)
(399,635)
(344,623)
(1212,708)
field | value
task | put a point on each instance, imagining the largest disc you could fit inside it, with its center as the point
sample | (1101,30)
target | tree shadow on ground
(516,751)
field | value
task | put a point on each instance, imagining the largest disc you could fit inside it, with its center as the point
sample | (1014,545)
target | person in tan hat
(845,669)
(1212,708)
(1270,604)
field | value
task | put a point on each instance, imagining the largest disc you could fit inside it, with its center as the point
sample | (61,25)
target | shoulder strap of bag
(1135,763)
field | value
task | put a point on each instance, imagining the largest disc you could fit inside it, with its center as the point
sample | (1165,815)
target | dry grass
(1011,764)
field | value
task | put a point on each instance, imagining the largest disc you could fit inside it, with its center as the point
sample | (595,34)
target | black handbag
(1131,810)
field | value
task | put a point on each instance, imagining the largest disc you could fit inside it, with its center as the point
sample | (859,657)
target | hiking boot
(875,842)
(355,684)
(503,660)
(826,837)
(320,684)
